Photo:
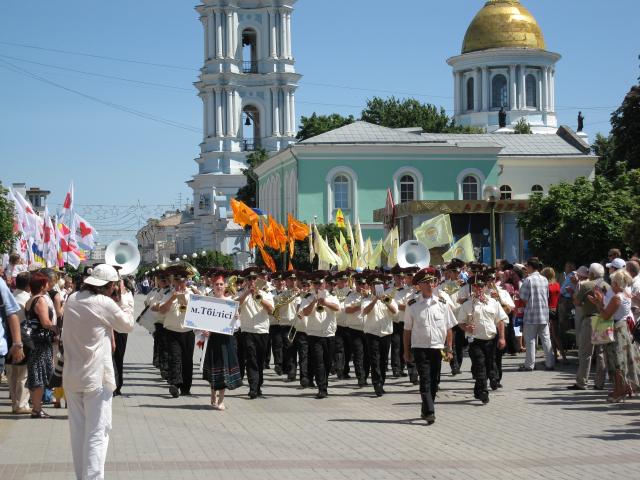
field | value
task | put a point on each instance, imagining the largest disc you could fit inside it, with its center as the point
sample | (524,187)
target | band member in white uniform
(355,323)
(342,344)
(428,322)
(400,293)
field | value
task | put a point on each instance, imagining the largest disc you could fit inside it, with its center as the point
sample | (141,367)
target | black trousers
(428,364)
(284,356)
(276,345)
(482,354)
(161,350)
(255,345)
(321,352)
(301,347)
(459,341)
(242,364)
(397,347)
(267,352)
(118,357)
(360,356)
(342,354)
(496,374)
(378,352)
(512,344)
(180,346)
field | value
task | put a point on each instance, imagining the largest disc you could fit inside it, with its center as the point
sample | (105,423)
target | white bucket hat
(101,275)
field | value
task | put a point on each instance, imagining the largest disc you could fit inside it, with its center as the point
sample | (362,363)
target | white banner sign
(211,314)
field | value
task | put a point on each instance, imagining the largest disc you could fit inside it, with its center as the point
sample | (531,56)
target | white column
(477,89)
(273,33)
(229,93)
(552,81)
(283,34)
(237,113)
(218,93)
(485,89)
(292,107)
(211,34)
(275,109)
(234,32)
(512,90)
(205,114)
(219,19)
(287,113)
(229,27)
(545,89)
(204,20)
(540,92)
(289,49)
(523,87)
(456,93)
(211,122)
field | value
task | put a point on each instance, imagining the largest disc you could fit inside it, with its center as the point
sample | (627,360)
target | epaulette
(412,301)
(401,289)
(442,300)
(308,295)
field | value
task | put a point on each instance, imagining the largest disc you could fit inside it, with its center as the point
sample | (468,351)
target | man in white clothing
(90,316)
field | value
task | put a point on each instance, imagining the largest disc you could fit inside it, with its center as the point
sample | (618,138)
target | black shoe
(378,389)
(495,384)
(117,393)
(304,383)
(476,395)
(278,370)
(291,378)
(549,369)
(455,371)
(346,376)
(484,398)
(361,383)
(253,395)
(429,417)
(522,368)
(174,391)
(322,394)
(185,393)
(403,373)
(396,374)
(575,387)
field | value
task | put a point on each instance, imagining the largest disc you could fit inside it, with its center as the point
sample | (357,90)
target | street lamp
(491,194)
(194,255)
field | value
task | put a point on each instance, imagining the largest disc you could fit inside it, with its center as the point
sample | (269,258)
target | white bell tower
(247,86)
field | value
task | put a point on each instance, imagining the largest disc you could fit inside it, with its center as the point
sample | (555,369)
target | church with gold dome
(503,74)
(505,65)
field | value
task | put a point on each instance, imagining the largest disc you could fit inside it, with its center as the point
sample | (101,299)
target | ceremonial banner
(211,314)
(435,232)
(462,249)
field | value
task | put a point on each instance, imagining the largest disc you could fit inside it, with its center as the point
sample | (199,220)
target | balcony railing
(250,144)
(250,67)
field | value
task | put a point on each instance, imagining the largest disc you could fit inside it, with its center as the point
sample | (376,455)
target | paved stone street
(534,427)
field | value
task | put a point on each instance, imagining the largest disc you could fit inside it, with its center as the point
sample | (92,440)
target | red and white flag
(67,205)
(49,240)
(85,233)
(389,210)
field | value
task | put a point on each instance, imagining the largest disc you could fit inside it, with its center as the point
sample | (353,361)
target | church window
(249,51)
(532,90)
(470,188)
(470,99)
(537,189)
(341,192)
(205,201)
(505,192)
(499,92)
(407,188)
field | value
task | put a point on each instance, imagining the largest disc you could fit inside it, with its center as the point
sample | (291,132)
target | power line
(138,113)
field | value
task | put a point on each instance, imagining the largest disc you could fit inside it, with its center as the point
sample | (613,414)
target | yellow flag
(326,256)
(340,218)
(375,256)
(462,249)
(435,232)
(390,247)
(344,259)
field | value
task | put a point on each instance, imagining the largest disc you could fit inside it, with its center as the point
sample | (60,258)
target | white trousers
(17,376)
(90,424)
(531,334)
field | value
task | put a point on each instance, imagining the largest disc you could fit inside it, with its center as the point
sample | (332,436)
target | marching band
(318,324)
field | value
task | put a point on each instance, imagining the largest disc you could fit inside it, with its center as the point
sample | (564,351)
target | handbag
(601,330)
(635,333)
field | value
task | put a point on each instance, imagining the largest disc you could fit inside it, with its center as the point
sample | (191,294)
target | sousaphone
(123,254)
(413,254)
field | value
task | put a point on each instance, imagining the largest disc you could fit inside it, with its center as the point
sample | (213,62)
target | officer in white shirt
(320,310)
(428,321)
(355,324)
(378,311)
(300,342)
(342,352)
(452,287)
(400,293)
(160,350)
(255,307)
(506,302)
(275,328)
(482,318)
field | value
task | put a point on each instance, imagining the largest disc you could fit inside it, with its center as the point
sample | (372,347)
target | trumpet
(257,297)
(292,331)
(387,299)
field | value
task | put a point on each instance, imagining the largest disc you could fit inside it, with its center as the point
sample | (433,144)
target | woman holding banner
(221,367)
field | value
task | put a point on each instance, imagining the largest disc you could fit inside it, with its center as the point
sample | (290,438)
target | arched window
(470,93)
(537,189)
(249,51)
(407,188)
(532,91)
(470,188)
(341,192)
(499,91)
(505,192)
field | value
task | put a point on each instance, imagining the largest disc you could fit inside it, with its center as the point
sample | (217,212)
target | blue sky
(49,135)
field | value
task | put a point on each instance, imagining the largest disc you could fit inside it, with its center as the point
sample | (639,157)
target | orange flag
(242,214)
(297,230)
(279,234)
(290,266)
(268,261)
(256,239)
(269,235)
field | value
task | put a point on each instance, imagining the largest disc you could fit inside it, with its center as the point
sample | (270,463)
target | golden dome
(503,24)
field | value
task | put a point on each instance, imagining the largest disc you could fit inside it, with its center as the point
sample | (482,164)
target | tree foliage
(317,124)
(212,258)
(625,129)
(247,194)
(396,113)
(581,221)
(7,236)
(522,127)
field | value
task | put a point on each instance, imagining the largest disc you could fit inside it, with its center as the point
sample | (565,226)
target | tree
(625,129)
(7,236)
(247,194)
(395,113)
(581,221)
(212,258)
(317,124)
(522,127)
